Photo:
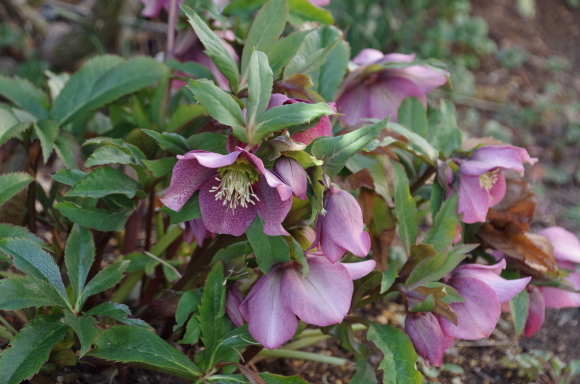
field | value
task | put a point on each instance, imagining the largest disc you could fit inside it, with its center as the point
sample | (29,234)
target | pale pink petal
(269,321)
(322,297)
(360,269)
(152,7)
(478,315)
(273,181)
(219,218)
(397,57)
(536,311)
(271,209)
(487,158)
(233,300)
(368,56)
(566,244)
(560,298)
(188,175)
(497,191)
(210,159)
(276,100)
(424,77)
(320,3)
(293,174)
(474,200)
(429,340)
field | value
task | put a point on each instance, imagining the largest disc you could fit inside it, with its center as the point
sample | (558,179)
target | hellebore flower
(233,300)
(567,252)
(368,93)
(481,183)
(483,290)
(323,128)
(292,173)
(196,230)
(536,311)
(341,229)
(427,336)
(153,7)
(233,188)
(321,298)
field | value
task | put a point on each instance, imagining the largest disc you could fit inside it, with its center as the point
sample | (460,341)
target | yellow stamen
(488,179)
(235,186)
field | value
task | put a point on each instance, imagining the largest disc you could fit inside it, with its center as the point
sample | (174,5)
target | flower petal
(422,76)
(560,298)
(196,229)
(478,315)
(273,181)
(360,269)
(217,217)
(293,174)
(536,312)
(429,340)
(323,297)
(474,200)
(368,56)
(233,300)
(188,175)
(269,321)
(487,158)
(211,159)
(566,244)
(271,209)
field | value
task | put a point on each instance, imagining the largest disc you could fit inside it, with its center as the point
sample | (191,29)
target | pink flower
(341,228)
(427,336)
(323,128)
(321,298)
(195,230)
(536,311)
(481,183)
(153,7)
(292,173)
(233,300)
(233,188)
(370,92)
(483,290)
(567,252)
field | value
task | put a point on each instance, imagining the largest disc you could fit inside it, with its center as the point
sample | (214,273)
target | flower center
(235,187)
(488,179)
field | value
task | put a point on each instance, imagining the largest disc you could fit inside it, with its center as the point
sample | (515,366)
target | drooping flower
(292,173)
(321,298)
(481,182)
(341,228)
(195,230)
(233,300)
(323,128)
(567,252)
(372,92)
(536,311)
(427,336)
(483,291)
(233,188)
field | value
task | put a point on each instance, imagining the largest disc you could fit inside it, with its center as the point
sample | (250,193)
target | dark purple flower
(427,336)
(233,188)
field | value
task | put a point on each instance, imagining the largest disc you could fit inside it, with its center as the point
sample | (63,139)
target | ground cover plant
(248,194)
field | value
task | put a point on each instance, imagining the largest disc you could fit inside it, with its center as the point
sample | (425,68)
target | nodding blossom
(233,189)
(372,92)
(321,298)
(481,182)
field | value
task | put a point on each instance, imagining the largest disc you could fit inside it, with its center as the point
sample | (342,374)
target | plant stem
(424,177)
(33,156)
(303,356)
(149,219)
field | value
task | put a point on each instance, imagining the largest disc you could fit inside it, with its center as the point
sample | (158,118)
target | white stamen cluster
(235,189)
(488,179)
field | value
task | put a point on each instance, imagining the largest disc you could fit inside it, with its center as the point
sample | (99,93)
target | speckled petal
(292,173)
(271,209)
(188,175)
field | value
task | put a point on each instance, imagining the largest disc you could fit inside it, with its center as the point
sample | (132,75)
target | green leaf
(398,364)
(211,311)
(111,155)
(29,257)
(435,267)
(191,68)
(365,373)
(161,167)
(192,331)
(9,230)
(284,50)
(138,345)
(303,10)
(85,330)
(119,312)
(189,211)
(519,306)
(259,86)
(427,305)
(30,348)
(69,176)
(413,114)
(68,150)
(265,30)
(171,142)
(389,277)
(336,151)
(267,377)
(23,292)
(79,255)
(102,80)
(312,54)
(184,115)
(405,209)
(119,143)
(95,218)
(12,183)
(214,48)
(104,280)
(284,116)
(269,250)
(208,141)
(47,131)
(329,76)
(445,226)
(219,105)
(235,339)
(444,134)
(105,181)
(416,142)
(186,306)
(14,130)
(22,93)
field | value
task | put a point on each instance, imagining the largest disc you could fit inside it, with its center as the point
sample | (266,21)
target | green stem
(420,181)
(4,334)
(8,325)
(285,353)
